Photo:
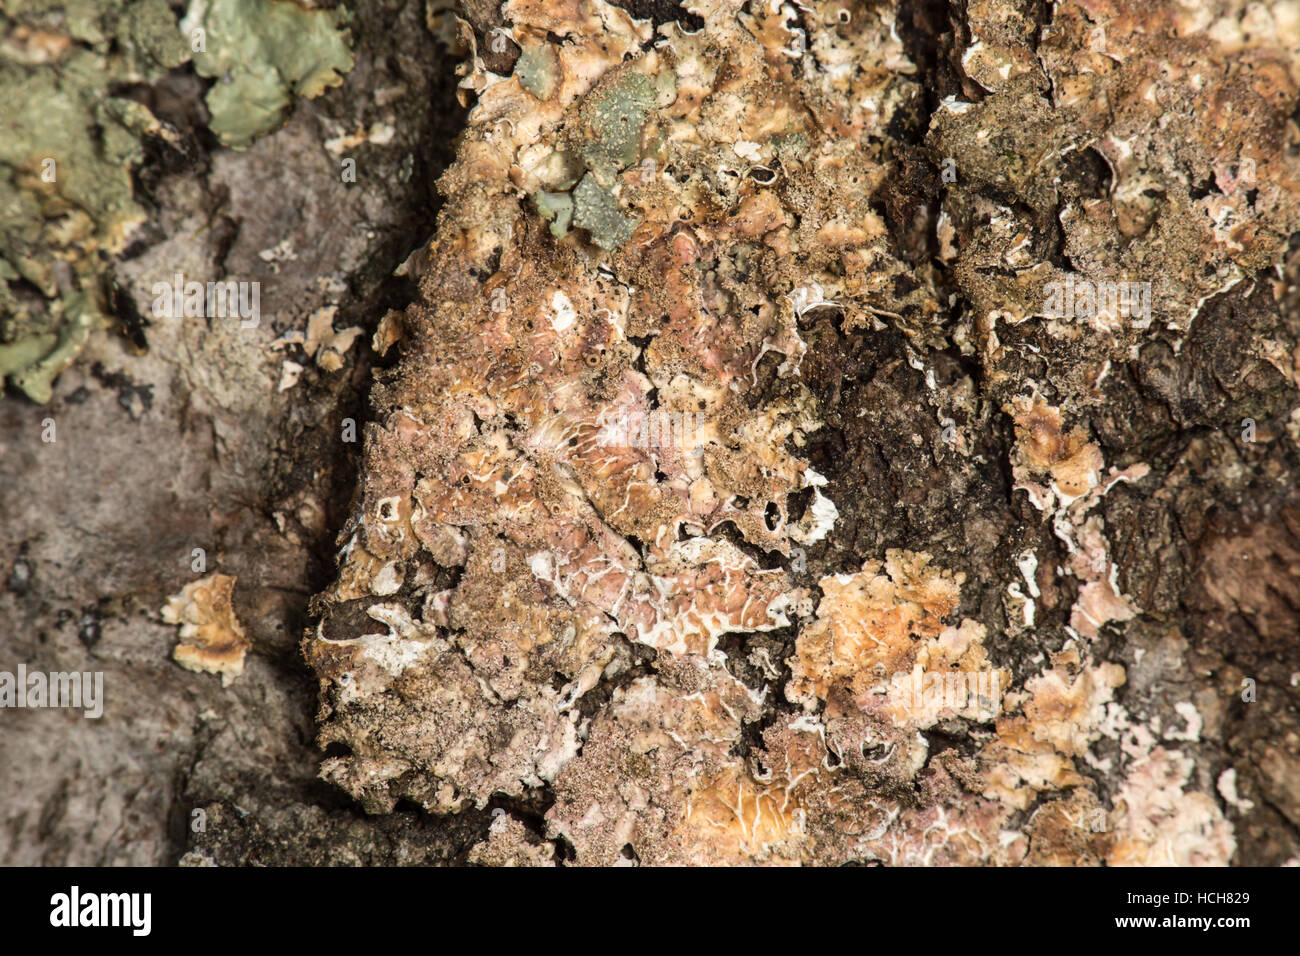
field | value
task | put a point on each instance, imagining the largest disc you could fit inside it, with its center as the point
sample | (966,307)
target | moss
(263,53)
(595,209)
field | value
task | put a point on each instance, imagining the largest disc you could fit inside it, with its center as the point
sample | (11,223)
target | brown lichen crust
(599,562)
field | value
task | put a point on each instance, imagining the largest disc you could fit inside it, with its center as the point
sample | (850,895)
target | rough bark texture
(835,433)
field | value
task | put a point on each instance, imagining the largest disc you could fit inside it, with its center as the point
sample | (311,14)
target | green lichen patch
(150,39)
(67,153)
(610,122)
(538,70)
(606,139)
(263,53)
(35,377)
(557,209)
(595,209)
(69,148)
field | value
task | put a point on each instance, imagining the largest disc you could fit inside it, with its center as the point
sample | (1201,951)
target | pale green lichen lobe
(596,210)
(263,53)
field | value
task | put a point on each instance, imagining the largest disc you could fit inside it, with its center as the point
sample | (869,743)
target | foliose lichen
(70,140)
(263,53)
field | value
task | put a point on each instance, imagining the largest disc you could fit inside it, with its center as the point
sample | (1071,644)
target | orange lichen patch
(839,807)
(1062,715)
(392,644)
(1017,765)
(212,640)
(703,590)
(1074,466)
(951,677)
(544,536)
(1099,600)
(358,574)
(1158,823)
(1123,83)
(644,756)
(786,804)
(732,818)
(462,740)
(1065,710)
(869,623)
(1071,831)
(962,831)
(1077,472)
(1235,115)
(759,214)
(510,625)
(1042,447)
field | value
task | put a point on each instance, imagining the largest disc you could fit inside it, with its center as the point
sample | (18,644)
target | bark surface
(823,433)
